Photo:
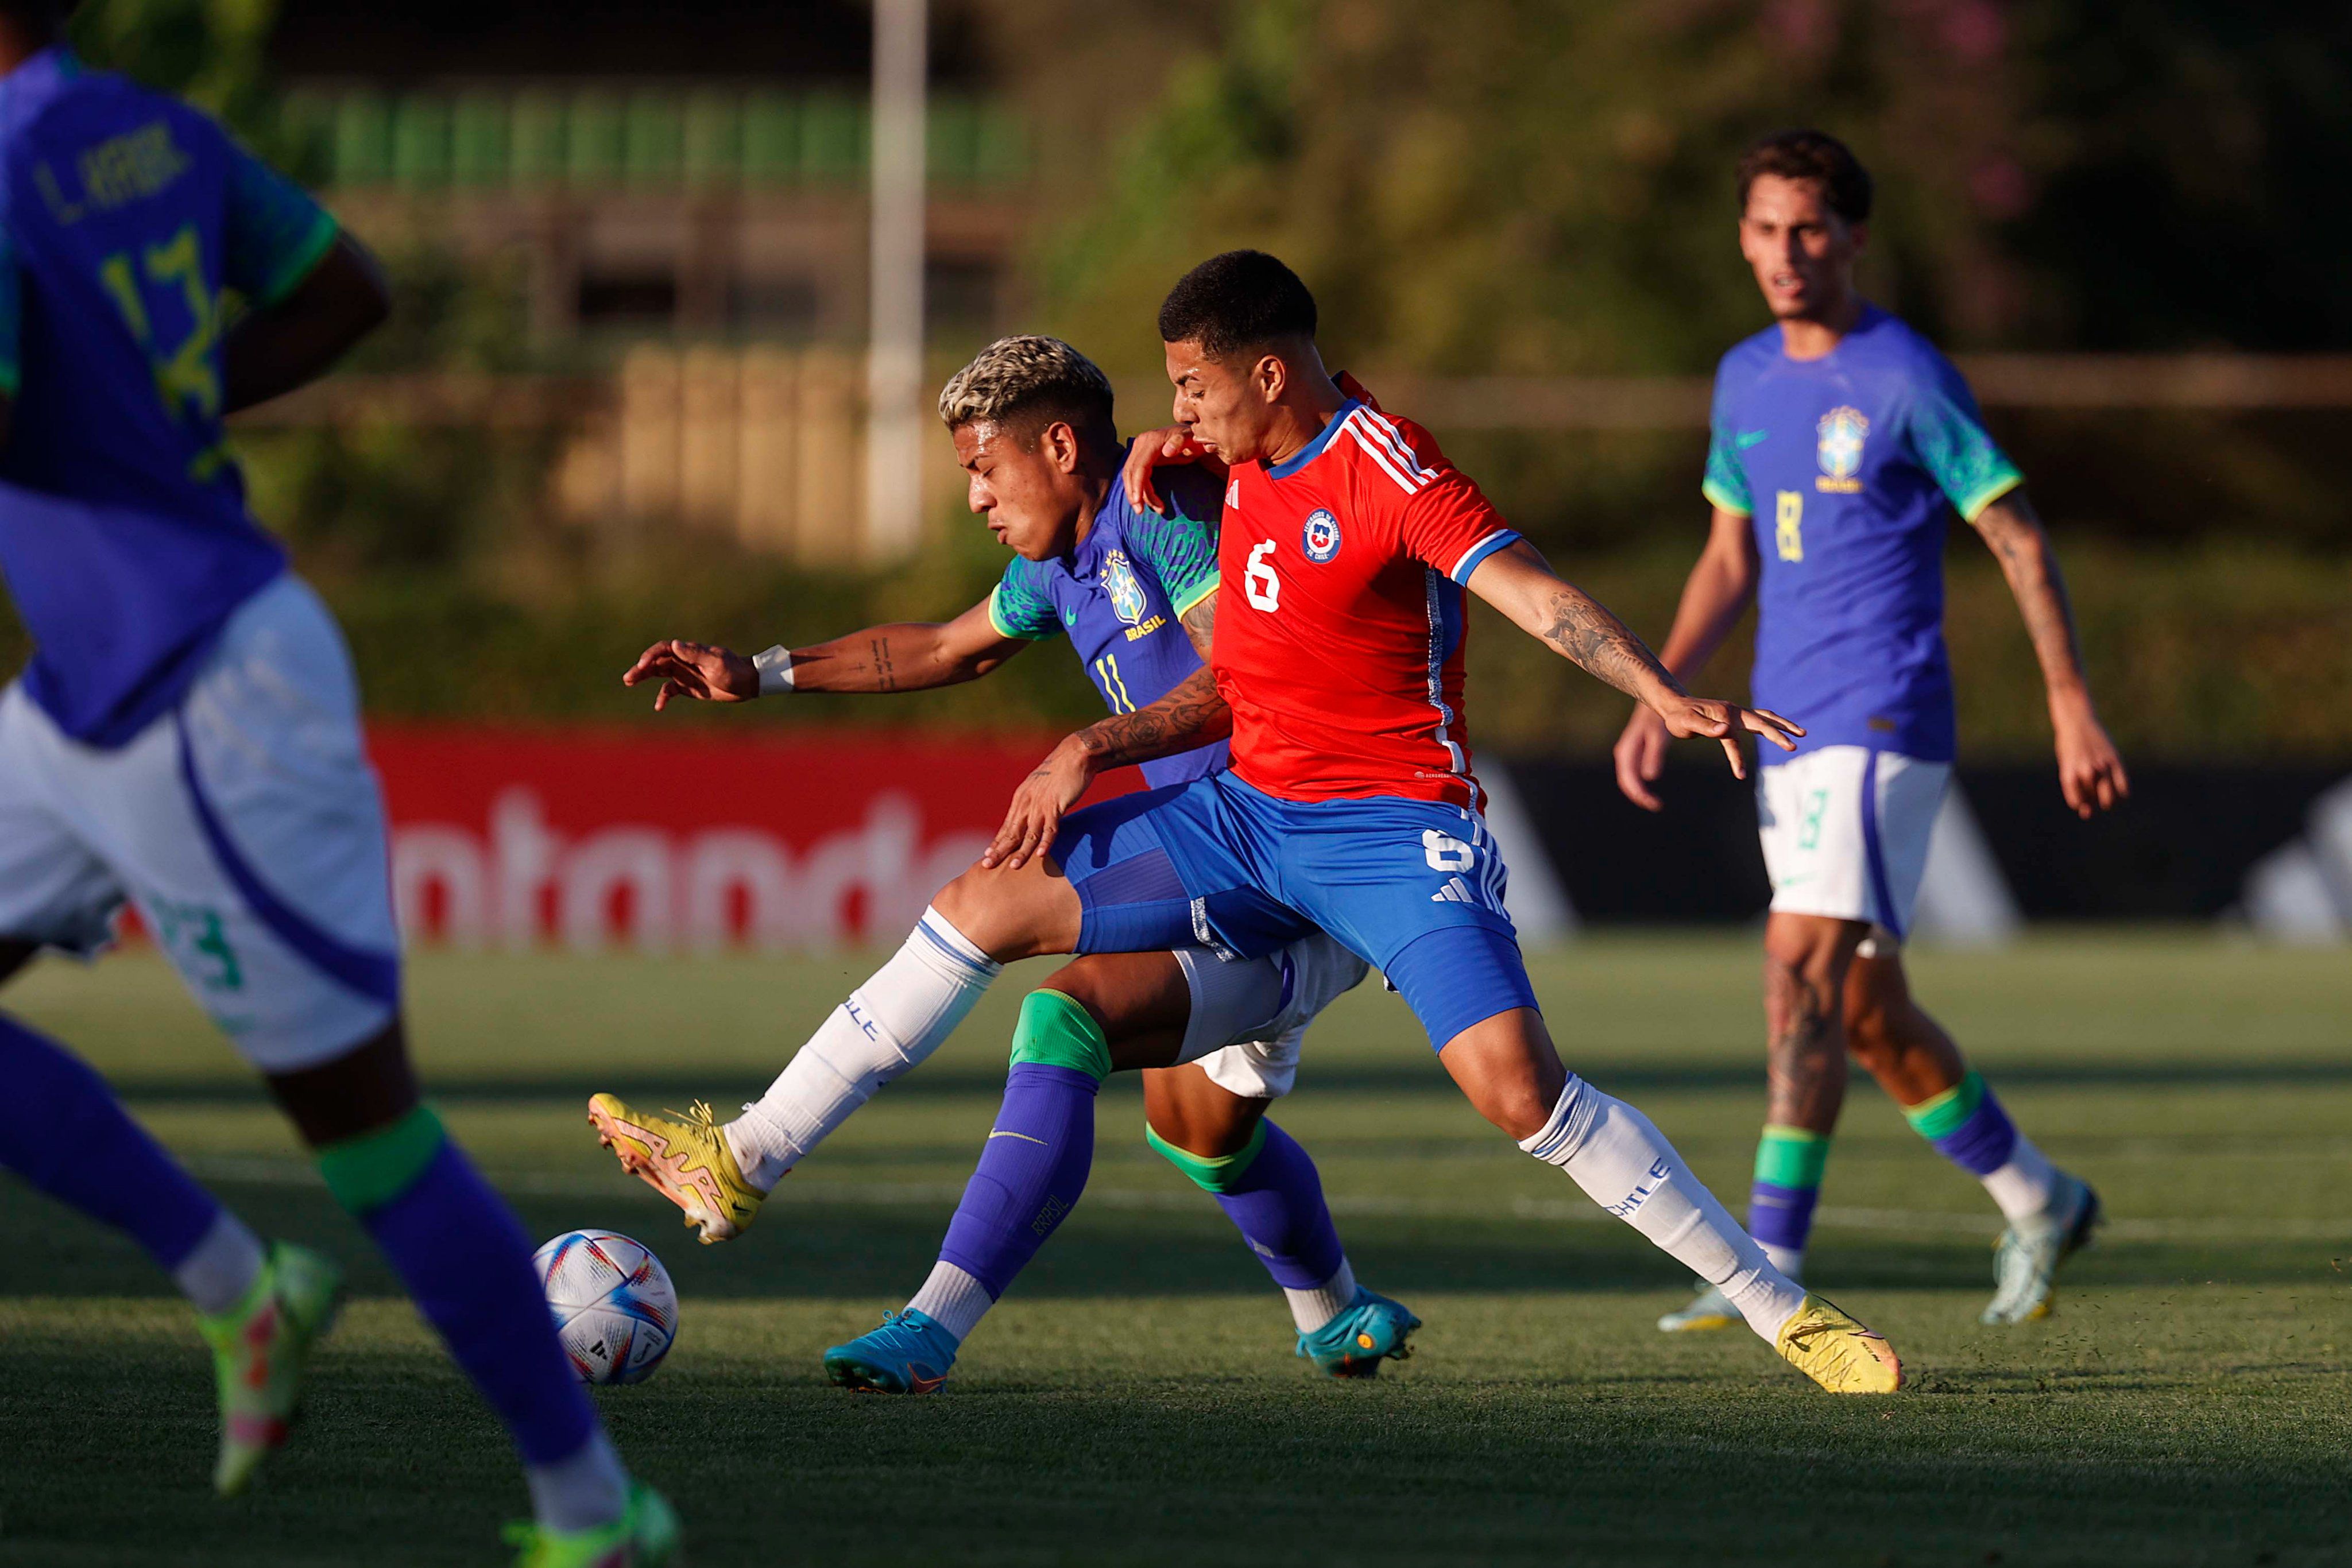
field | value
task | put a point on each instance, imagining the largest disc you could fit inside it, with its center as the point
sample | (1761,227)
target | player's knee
(962,904)
(1800,969)
(1520,1111)
(366,1088)
(1002,911)
(1869,1031)
(1056,1030)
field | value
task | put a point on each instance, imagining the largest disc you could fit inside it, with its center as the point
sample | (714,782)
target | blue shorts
(1412,886)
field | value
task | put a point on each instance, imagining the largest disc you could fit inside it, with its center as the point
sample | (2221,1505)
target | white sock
(1788,1260)
(2025,1187)
(581,1492)
(888,1025)
(223,1267)
(954,1299)
(1626,1164)
(1310,1310)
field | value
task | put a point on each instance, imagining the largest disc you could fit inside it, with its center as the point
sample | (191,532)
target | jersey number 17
(185,377)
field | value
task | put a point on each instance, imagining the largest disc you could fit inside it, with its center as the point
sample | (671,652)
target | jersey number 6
(1258,580)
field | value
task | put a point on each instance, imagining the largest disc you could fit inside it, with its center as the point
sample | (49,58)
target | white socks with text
(888,1025)
(1626,1164)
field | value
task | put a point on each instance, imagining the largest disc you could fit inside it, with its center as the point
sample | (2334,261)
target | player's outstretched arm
(1155,449)
(295,342)
(905,657)
(1520,583)
(1715,597)
(2090,771)
(1192,715)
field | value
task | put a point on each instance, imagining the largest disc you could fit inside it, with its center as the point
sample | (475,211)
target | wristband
(775,667)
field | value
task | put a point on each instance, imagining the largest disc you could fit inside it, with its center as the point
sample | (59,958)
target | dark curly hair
(1811,155)
(1241,300)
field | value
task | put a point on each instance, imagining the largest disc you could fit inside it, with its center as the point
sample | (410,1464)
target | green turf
(1136,1401)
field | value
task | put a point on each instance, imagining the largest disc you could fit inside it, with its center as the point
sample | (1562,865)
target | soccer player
(1136,593)
(1842,443)
(186,737)
(1349,805)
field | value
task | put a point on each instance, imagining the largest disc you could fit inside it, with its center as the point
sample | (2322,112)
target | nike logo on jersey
(1743,440)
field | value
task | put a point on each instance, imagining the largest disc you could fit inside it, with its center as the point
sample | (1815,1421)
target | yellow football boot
(260,1347)
(686,1161)
(1841,1355)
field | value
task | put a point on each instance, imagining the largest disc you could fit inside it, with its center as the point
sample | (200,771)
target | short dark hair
(1811,155)
(1025,383)
(1241,300)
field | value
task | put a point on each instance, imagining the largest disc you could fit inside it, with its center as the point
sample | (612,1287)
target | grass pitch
(1135,1400)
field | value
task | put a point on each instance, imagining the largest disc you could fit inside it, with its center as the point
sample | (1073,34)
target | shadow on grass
(952,1080)
(810,1250)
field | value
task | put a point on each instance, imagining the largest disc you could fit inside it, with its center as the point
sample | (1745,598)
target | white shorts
(245,826)
(1845,835)
(1249,1016)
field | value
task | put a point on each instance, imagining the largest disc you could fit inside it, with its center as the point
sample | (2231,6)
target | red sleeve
(1448,524)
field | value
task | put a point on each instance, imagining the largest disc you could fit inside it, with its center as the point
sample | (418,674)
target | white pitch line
(257,1172)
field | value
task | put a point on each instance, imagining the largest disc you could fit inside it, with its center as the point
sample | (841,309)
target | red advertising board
(635,838)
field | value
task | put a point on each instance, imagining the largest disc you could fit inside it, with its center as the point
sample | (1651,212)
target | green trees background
(1503,187)
(1525,186)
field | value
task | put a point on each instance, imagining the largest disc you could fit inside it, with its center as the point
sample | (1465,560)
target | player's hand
(2090,770)
(1640,757)
(703,671)
(1726,722)
(1158,449)
(1037,806)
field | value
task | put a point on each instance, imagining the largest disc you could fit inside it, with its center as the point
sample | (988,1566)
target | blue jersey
(1850,466)
(1123,594)
(131,229)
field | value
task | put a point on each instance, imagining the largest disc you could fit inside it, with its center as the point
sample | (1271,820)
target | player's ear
(1062,446)
(1270,377)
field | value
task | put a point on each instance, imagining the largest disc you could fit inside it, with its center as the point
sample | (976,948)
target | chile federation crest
(1320,537)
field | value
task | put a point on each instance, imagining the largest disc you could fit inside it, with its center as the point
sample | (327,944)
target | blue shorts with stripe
(1411,886)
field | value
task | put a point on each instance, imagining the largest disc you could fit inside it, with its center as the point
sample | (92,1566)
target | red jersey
(1340,653)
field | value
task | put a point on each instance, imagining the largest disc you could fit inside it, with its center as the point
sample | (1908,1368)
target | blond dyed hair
(1026,378)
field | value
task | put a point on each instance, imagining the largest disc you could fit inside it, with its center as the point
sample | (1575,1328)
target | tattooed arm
(1192,715)
(1521,584)
(907,657)
(2090,773)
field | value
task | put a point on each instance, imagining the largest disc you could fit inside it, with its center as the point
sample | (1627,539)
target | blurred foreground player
(1349,805)
(187,737)
(1842,443)
(1136,593)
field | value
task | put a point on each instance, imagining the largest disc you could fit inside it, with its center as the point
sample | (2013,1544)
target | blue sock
(1030,1175)
(463,1256)
(1272,1193)
(73,1140)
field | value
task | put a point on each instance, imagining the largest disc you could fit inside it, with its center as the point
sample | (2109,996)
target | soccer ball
(615,1309)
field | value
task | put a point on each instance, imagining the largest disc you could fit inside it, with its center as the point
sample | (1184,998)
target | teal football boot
(1371,1330)
(2026,1260)
(909,1354)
